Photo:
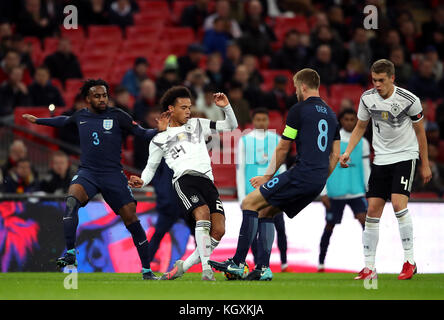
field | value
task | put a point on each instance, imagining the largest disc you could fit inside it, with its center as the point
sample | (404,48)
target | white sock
(203,242)
(370,238)
(194,257)
(406,232)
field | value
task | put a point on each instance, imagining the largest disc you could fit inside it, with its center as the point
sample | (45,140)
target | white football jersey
(184,148)
(394,139)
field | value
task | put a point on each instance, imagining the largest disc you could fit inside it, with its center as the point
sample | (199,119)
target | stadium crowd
(248,49)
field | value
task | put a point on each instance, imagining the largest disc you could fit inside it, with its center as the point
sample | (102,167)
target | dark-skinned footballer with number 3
(314,127)
(100,129)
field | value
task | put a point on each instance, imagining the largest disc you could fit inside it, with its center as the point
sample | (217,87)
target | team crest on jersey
(384,115)
(107,124)
(194,199)
(395,109)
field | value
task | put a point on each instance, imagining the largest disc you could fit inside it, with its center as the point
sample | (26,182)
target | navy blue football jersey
(313,126)
(100,136)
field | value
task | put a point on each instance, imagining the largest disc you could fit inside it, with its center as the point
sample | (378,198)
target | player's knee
(247,204)
(398,206)
(72,206)
(217,231)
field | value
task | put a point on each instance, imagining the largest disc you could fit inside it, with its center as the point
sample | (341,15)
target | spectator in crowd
(431,54)
(385,42)
(21,179)
(327,69)
(10,61)
(337,22)
(69,133)
(63,64)
(240,105)
(24,50)
(121,14)
(42,92)
(432,132)
(13,93)
(191,60)
(168,78)
(214,71)
(276,98)
(256,39)
(217,38)
(293,55)
(403,70)
(194,15)
(223,11)
(58,178)
(34,21)
(346,103)
(122,99)
(147,99)
(5,29)
(232,59)
(207,105)
(195,81)
(255,19)
(325,36)
(436,184)
(141,145)
(409,36)
(429,27)
(423,83)
(252,63)
(359,48)
(354,73)
(93,12)
(250,92)
(134,76)
(17,151)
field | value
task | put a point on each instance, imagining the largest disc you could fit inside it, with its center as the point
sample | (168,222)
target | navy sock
(141,243)
(325,240)
(163,225)
(254,249)
(279,224)
(264,242)
(247,233)
(71,221)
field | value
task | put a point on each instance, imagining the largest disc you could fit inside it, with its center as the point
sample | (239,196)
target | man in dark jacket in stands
(58,179)
(42,92)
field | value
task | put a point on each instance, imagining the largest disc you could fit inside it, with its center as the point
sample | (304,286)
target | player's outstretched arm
(155,156)
(355,137)
(58,122)
(230,122)
(334,156)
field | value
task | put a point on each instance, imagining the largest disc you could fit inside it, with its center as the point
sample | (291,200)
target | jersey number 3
(96,140)
(322,137)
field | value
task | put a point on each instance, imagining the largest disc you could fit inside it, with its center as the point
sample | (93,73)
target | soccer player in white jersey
(398,140)
(183,145)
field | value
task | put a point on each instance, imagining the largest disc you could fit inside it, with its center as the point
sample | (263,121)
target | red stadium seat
(269,76)
(182,34)
(158,7)
(147,32)
(341,91)
(224,175)
(75,35)
(150,19)
(298,22)
(178,7)
(138,45)
(104,33)
(276,121)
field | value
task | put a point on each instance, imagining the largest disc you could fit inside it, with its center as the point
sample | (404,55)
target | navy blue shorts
(112,185)
(286,192)
(336,211)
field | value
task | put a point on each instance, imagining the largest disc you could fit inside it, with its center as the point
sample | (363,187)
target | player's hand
(163,121)
(326,202)
(426,174)
(256,182)
(29,117)
(220,100)
(344,159)
(135,182)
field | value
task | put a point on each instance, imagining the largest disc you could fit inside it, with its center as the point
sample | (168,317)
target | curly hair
(170,96)
(88,84)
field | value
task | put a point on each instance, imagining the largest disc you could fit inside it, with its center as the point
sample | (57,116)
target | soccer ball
(229,276)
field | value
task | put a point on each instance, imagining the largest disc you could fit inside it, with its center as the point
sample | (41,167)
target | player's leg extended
(203,241)
(132,223)
(325,241)
(77,196)
(279,224)
(370,236)
(164,223)
(399,202)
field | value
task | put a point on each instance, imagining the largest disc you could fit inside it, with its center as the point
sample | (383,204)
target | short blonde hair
(383,66)
(309,77)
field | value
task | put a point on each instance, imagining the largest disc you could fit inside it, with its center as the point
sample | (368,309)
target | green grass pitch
(284,286)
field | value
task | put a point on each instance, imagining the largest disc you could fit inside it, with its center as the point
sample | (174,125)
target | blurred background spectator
(42,92)
(21,179)
(194,15)
(58,178)
(134,76)
(147,99)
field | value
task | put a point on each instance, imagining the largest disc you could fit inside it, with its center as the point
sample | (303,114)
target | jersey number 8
(322,137)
